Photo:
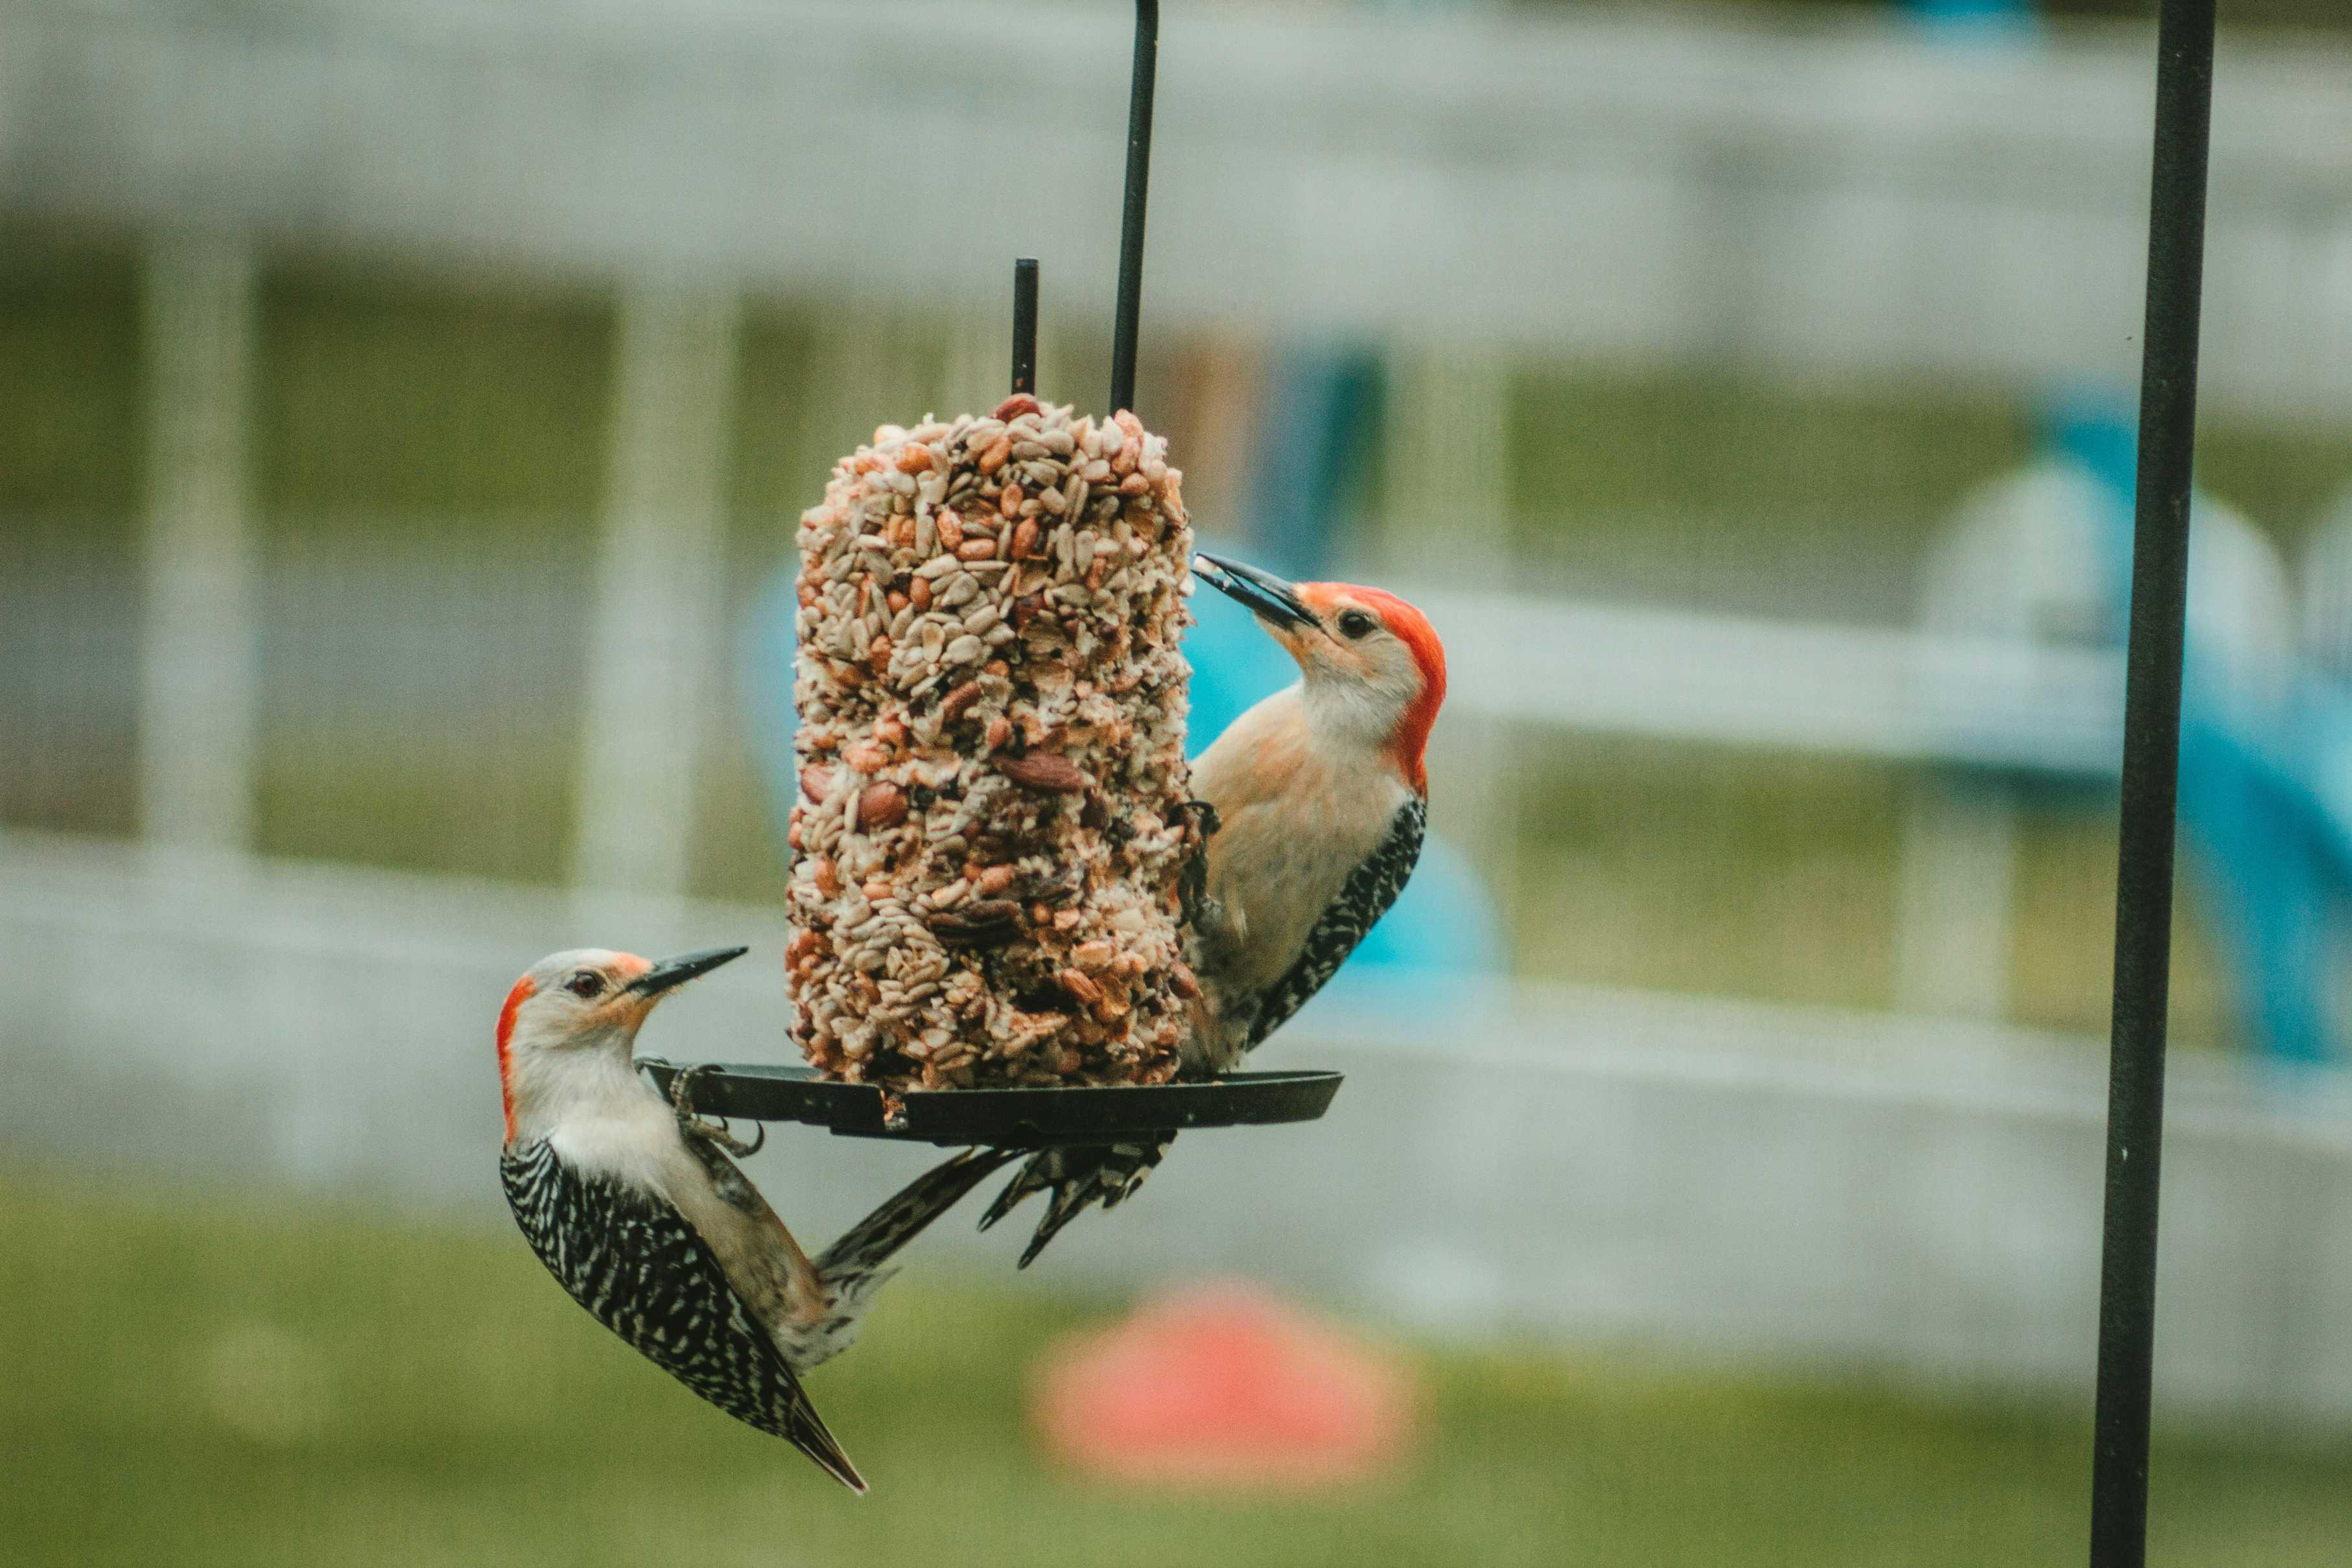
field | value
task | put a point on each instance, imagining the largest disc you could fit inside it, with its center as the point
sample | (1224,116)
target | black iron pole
(1025,324)
(2151,766)
(1130,224)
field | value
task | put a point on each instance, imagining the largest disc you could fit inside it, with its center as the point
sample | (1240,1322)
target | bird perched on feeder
(1320,797)
(636,1206)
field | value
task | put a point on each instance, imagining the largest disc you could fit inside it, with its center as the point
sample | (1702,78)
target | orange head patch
(524,989)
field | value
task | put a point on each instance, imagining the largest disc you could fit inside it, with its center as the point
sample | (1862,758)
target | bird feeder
(994,850)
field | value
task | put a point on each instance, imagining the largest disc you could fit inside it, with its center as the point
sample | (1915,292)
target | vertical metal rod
(2151,765)
(1131,225)
(1025,324)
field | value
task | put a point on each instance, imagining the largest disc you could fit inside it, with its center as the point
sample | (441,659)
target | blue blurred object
(2270,845)
(768,640)
(2271,864)
(1971,20)
(1322,410)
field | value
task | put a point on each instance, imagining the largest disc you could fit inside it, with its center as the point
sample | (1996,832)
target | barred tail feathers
(851,1270)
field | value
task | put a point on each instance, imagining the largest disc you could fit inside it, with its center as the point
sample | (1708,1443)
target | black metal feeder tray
(1001,1118)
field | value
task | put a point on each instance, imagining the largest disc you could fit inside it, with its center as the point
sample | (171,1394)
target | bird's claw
(1192,880)
(1072,1180)
(718,1133)
(734,1145)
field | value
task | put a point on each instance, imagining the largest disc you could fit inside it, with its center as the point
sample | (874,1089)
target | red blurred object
(1224,1385)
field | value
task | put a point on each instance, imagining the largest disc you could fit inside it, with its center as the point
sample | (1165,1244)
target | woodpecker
(1319,797)
(636,1206)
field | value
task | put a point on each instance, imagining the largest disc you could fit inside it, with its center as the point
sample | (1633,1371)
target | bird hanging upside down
(1319,796)
(636,1206)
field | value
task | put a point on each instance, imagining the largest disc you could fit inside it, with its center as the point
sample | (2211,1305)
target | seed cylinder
(993,826)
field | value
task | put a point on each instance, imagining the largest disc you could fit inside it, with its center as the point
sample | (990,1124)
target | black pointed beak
(1262,594)
(677,971)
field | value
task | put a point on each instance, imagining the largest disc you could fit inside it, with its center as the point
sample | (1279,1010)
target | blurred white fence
(1862,691)
(1835,199)
(1877,1194)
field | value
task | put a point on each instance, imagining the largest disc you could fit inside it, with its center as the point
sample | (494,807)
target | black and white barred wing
(642,1271)
(1368,891)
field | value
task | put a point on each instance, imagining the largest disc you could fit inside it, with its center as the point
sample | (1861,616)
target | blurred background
(404,407)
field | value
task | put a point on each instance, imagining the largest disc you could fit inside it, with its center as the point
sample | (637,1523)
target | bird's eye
(1356,623)
(584,983)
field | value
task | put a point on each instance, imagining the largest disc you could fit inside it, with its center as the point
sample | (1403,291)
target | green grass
(199,1384)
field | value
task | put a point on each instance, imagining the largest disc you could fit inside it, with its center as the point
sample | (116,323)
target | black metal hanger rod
(1130,227)
(1025,324)
(2151,767)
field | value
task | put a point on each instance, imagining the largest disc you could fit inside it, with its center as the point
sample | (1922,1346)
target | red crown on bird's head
(523,990)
